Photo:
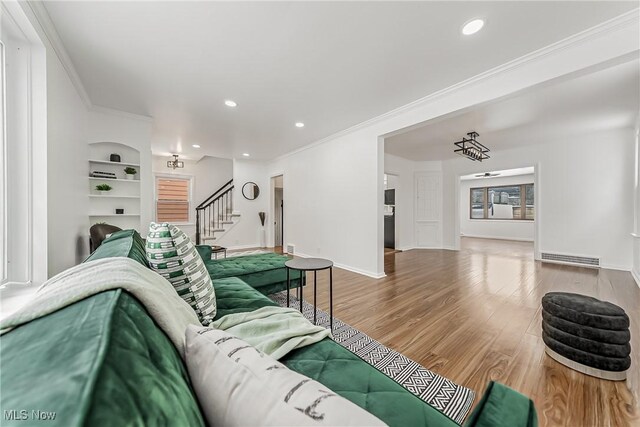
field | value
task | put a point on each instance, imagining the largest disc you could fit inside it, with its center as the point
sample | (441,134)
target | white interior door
(428,187)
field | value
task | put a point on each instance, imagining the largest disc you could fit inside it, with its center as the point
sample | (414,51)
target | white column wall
(636,233)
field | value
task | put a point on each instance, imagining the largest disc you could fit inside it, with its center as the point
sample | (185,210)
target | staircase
(215,216)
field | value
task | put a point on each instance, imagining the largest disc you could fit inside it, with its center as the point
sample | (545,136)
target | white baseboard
(617,267)
(347,267)
(251,246)
(636,277)
(409,248)
(514,239)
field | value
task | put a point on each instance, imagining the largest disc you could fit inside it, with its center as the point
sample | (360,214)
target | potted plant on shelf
(130,172)
(103,188)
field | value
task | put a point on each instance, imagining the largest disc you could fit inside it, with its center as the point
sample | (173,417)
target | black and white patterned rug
(451,399)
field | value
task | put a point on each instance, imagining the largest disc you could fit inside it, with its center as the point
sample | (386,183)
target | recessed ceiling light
(230,103)
(299,125)
(245,154)
(195,146)
(472,27)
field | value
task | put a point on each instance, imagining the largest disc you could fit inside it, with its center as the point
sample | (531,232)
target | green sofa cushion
(204,251)
(235,296)
(100,362)
(265,272)
(125,243)
(501,406)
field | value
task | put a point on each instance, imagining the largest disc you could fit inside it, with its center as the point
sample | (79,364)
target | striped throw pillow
(172,255)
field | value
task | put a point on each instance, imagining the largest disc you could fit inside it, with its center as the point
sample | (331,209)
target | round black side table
(311,264)
(218,249)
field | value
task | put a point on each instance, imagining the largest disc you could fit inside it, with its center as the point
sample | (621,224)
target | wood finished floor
(475,316)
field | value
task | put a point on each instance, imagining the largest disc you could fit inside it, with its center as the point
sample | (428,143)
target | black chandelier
(471,148)
(175,163)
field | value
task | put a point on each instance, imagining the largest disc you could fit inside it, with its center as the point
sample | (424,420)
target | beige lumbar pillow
(237,385)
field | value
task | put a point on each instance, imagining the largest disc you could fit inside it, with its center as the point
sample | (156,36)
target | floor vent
(291,249)
(571,259)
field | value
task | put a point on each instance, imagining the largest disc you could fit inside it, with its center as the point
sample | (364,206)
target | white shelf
(107,162)
(114,197)
(117,179)
(105,215)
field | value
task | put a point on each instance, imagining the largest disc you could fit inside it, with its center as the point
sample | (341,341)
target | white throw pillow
(237,385)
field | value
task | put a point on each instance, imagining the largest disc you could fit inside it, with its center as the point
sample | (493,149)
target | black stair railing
(214,212)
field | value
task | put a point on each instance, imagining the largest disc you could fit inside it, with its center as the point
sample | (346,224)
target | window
(173,200)
(505,202)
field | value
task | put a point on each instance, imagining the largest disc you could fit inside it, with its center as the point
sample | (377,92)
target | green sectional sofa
(104,362)
(264,272)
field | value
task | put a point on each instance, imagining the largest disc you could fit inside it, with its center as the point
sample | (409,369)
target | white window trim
(36,142)
(192,208)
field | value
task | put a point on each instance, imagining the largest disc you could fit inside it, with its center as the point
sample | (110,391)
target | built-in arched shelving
(125,193)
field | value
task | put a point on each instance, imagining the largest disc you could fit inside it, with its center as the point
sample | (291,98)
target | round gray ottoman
(586,334)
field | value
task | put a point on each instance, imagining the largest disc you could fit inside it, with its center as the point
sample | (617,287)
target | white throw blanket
(273,330)
(158,296)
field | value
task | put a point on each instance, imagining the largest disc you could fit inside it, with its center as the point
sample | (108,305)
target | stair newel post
(197,227)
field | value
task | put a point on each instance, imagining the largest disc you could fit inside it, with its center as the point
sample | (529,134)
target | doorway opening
(390,186)
(278,212)
(498,205)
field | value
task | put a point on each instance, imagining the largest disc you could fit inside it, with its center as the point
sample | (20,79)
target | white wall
(636,234)
(208,174)
(493,228)
(248,232)
(67,183)
(333,199)
(71,129)
(584,195)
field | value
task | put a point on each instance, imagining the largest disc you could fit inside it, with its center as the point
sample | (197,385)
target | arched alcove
(119,206)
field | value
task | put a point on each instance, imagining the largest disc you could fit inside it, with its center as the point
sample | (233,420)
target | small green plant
(130,171)
(103,187)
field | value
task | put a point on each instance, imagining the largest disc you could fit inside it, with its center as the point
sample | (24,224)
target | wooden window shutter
(172,204)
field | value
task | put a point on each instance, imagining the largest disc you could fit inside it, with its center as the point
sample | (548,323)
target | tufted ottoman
(586,334)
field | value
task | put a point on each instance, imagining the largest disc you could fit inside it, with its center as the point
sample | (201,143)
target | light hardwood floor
(475,316)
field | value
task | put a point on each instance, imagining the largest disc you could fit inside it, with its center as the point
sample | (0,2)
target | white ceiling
(330,65)
(600,100)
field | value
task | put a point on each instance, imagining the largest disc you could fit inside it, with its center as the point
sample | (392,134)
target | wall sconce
(175,163)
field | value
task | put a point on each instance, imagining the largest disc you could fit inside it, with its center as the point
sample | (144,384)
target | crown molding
(627,19)
(48,30)
(119,113)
